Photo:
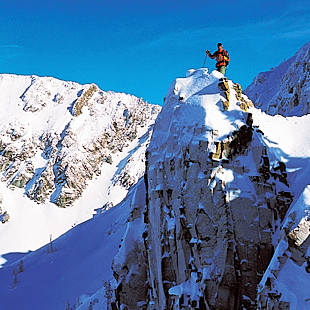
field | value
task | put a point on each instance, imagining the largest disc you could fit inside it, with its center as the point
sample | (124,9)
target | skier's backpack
(226,57)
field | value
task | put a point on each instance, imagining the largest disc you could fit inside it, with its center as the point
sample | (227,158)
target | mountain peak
(202,102)
(217,220)
(284,90)
(58,136)
(218,191)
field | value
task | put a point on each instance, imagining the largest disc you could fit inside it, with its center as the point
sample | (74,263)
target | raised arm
(210,55)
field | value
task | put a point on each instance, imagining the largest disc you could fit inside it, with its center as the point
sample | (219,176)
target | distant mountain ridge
(55,135)
(284,90)
(66,149)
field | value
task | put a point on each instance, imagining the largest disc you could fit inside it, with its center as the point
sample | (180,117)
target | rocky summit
(217,200)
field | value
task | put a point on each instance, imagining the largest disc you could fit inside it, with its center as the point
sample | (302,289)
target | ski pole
(204,61)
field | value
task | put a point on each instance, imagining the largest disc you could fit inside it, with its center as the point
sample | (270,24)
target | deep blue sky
(141,46)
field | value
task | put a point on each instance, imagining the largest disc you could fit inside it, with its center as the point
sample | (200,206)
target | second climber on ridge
(222,58)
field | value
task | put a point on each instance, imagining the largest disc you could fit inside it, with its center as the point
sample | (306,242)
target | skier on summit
(222,58)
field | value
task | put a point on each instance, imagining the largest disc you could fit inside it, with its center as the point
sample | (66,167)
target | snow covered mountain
(226,198)
(72,271)
(62,145)
(55,135)
(219,219)
(284,90)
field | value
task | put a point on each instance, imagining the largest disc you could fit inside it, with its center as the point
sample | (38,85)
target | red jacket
(222,58)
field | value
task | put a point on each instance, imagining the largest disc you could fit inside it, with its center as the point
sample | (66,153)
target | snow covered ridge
(56,135)
(214,203)
(284,90)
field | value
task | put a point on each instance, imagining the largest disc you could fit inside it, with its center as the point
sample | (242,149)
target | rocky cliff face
(214,203)
(284,90)
(285,282)
(56,135)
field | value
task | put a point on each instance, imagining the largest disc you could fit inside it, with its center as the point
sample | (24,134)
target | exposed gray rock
(213,210)
(222,236)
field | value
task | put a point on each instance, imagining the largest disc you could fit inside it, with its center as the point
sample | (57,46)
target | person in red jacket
(222,58)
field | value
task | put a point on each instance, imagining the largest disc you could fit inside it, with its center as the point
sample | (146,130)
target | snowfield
(73,267)
(31,225)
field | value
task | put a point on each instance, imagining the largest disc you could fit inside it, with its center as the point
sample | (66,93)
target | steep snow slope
(64,144)
(221,179)
(73,267)
(285,89)
(287,141)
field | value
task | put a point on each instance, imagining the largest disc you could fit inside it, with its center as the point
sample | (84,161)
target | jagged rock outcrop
(129,266)
(285,282)
(213,202)
(61,133)
(284,90)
